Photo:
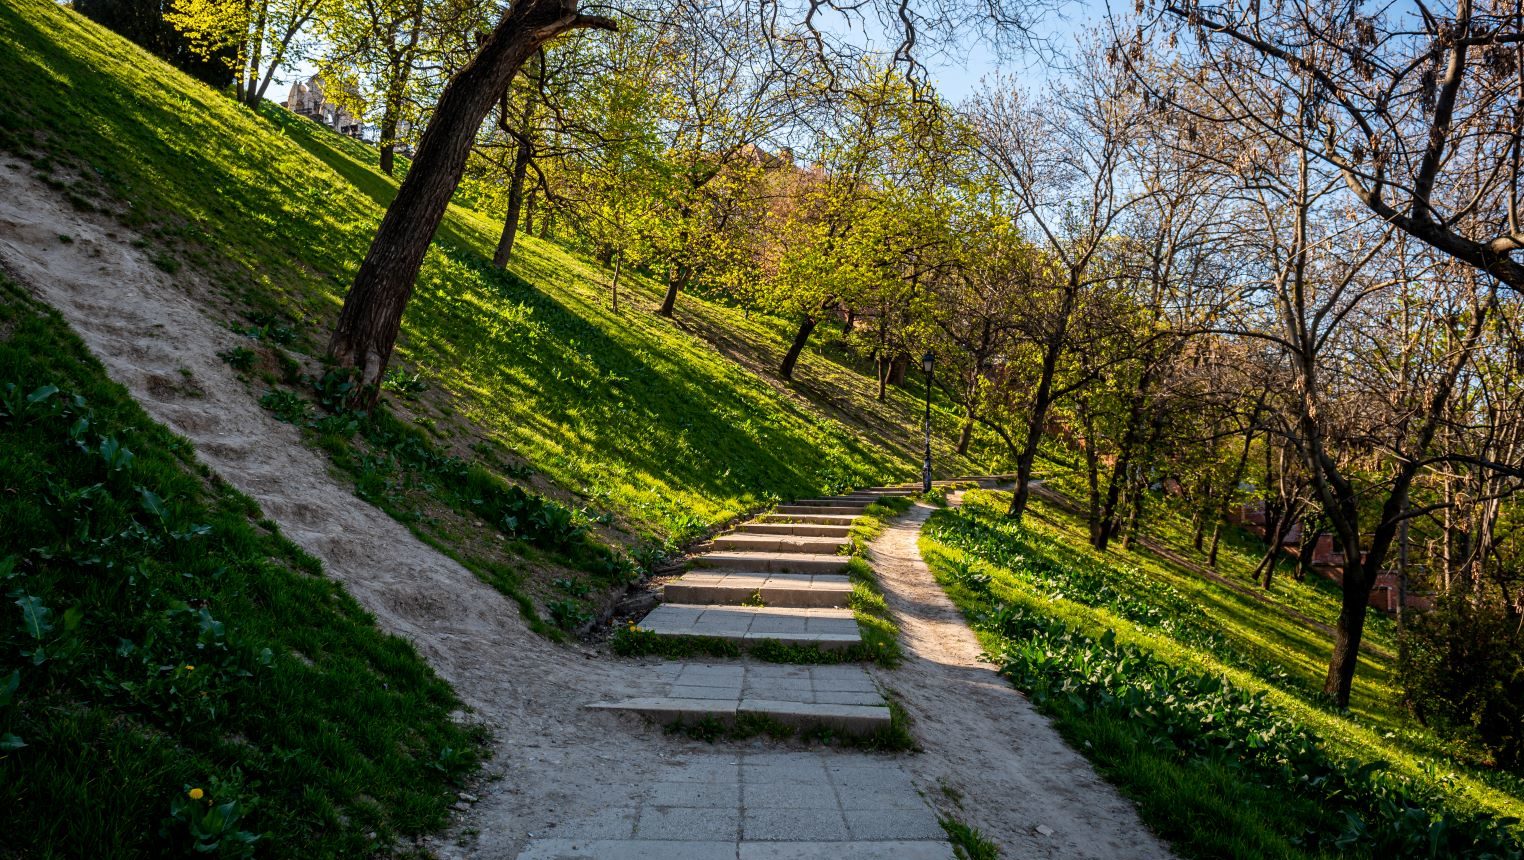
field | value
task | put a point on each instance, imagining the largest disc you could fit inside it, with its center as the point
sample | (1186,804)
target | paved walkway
(798,805)
(759,804)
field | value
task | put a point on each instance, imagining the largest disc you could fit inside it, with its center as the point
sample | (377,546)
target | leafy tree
(255,37)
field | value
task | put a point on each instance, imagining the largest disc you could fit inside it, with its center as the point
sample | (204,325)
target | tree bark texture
(801,337)
(371,317)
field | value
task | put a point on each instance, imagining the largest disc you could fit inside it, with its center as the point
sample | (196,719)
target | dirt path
(1020,784)
(553,759)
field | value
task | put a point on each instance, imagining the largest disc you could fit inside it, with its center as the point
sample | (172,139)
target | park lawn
(1207,809)
(661,424)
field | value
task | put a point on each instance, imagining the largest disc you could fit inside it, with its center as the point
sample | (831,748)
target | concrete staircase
(779,578)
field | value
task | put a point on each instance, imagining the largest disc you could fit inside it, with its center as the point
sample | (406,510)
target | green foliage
(1044,563)
(239,358)
(1463,673)
(633,641)
(157,639)
(1174,734)
(968,843)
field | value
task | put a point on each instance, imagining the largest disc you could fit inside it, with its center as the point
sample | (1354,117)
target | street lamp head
(926,362)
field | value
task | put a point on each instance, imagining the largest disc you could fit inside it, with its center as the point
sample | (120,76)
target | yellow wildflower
(189,668)
(196,794)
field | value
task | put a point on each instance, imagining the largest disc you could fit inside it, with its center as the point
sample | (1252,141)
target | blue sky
(957,69)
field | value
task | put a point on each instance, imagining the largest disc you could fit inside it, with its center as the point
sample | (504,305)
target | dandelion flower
(196,794)
(189,668)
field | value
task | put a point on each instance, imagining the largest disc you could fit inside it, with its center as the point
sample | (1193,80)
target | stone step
(841,501)
(802,529)
(779,543)
(828,629)
(808,519)
(772,562)
(817,510)
(842,698)
(775,589)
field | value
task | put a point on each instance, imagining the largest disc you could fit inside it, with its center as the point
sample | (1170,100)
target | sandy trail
(149,330)
(1021,785)
(554,761)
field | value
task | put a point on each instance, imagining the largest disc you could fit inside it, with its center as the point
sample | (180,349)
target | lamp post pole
(926,361)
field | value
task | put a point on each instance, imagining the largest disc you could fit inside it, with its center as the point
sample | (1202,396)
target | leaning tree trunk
(1041,400)
(368,324)
(801,337)
(676,284)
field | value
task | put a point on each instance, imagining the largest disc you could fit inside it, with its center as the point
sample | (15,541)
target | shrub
(1462,669)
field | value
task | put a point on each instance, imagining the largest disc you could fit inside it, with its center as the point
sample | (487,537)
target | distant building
(307,99)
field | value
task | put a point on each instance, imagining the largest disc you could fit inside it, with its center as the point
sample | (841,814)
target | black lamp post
(926,361)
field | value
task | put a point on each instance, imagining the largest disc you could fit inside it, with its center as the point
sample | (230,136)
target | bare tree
(1063,163)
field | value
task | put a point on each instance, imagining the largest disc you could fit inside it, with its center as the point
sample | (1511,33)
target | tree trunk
(618,265)
(250,95)
(504,251)
(881,361)
(897,367)
(521,158)
(371,318)
(967,432)
(806,326)
(388,161)
(675,285)
(1092,474)
(1134,517)
(1355,602)
(1035,426)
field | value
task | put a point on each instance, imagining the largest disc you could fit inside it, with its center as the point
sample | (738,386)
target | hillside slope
(665,425)
(156,696)
(1173,683)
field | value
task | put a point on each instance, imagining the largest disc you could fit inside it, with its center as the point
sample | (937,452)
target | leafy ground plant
(1219,761)
(175,677)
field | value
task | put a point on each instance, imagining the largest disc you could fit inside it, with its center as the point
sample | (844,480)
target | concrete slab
(904,823)
(849,719)
(813,544)
(800,529)
(898,850)
(815,510)
(775,589)
(624,849)
(771,562)
(687,823)
(817,824)
(819,519)
(827,628)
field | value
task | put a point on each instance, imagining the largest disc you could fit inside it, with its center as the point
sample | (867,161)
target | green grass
(968,843)
(665,425)
(158,637)
(1169,621)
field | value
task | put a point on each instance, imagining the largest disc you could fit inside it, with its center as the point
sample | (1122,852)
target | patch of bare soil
(991,760)
(155,339)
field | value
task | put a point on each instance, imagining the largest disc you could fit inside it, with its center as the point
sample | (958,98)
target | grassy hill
(524,407)
(165,703)
(156,698)
(1203,704)
(660,429)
